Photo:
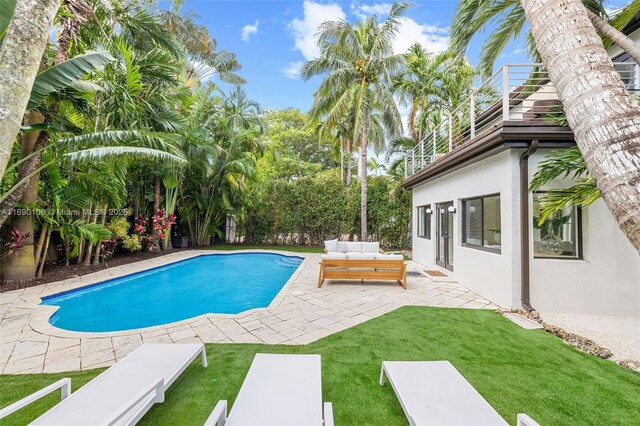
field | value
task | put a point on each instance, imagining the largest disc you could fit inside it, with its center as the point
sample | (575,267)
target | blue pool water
(219,284)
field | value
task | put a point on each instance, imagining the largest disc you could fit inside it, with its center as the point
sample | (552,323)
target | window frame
(480,247)
(421,212)
(579,233)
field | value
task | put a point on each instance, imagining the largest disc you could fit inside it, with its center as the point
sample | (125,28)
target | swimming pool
(210,283)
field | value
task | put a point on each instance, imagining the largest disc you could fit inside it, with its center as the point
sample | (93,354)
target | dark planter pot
(180,242)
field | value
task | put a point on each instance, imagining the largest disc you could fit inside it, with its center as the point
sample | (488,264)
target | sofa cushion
(381,256)
(371,247)
(354,246)
(334,255)
(362,256)
(331,245)
(346,246)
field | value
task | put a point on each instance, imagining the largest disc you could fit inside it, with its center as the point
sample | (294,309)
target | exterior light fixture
(451,209)
(428,211)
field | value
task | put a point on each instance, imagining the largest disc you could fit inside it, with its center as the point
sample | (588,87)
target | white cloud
(304,29)
(362,11)
(292,71)
(433,38)
(249,29)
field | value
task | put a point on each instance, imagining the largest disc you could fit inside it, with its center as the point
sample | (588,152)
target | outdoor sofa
(351,260)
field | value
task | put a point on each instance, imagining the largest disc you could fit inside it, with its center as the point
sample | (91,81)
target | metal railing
(517,92)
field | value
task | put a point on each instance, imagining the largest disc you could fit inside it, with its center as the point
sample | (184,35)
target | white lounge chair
(123,393)
(435,393)
(279,390)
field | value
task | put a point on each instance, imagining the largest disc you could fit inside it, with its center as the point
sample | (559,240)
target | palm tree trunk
(342,148)
(363,179)
(44,254)
(20,55)
(349,165)
(156,207)
(89,249)
(604,118)
(31,142)
(23,267)
(96,258)
(43,234)
(616,36)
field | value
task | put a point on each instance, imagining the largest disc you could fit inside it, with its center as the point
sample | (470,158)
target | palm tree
(222,142)
(604,117)
(357,62)
(472,16)
(376,166)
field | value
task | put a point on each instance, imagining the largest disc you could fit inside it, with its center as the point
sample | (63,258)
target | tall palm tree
(604,117)
(473,16)
(357,62)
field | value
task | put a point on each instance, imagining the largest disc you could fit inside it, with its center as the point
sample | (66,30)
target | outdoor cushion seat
(371,247)
(382,256)
(334,255)
(358,255)
(349,246)
(331,245)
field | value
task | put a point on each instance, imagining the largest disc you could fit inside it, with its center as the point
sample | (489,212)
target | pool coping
(40,321)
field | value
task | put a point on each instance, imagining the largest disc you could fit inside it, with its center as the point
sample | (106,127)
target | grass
(296,249)
(516,370)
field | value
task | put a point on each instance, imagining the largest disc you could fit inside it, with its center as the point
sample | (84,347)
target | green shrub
(311,209)
(119,227)
(132,243)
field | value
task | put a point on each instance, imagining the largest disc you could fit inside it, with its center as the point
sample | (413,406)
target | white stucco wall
(605,281)
(493,276)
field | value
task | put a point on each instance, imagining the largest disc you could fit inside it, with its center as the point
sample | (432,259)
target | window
(481,223)
(560,235)
(424,222)
(626,67)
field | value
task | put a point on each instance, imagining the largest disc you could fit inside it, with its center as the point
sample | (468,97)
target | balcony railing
(518,92)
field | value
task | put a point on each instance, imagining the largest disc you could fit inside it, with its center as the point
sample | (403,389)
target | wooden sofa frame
(363,269)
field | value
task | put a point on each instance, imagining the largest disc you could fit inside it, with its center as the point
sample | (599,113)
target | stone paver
(300,314)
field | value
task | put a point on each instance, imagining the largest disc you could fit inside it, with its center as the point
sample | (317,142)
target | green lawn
(516,370)
(297,249)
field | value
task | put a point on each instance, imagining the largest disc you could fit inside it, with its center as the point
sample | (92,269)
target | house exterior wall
(491,275)
(607,278)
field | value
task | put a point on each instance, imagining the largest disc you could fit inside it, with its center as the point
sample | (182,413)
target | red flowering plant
(107,247)
(140,228)
(162,222)
(16,242)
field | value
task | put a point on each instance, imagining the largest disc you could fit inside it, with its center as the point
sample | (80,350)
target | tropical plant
(357,62)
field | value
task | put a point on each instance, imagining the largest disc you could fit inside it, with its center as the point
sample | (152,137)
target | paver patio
(300,314)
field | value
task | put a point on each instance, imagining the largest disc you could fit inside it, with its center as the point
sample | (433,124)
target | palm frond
(129,152)
(6,13)
(63,75)
(559,164)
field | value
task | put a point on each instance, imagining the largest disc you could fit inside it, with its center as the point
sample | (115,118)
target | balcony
(517,94)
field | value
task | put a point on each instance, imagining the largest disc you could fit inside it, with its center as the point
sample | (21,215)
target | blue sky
(273,38)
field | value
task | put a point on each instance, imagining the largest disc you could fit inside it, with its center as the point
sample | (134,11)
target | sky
(274,38)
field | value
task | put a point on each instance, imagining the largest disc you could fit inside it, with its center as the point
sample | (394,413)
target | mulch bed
(56,272)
